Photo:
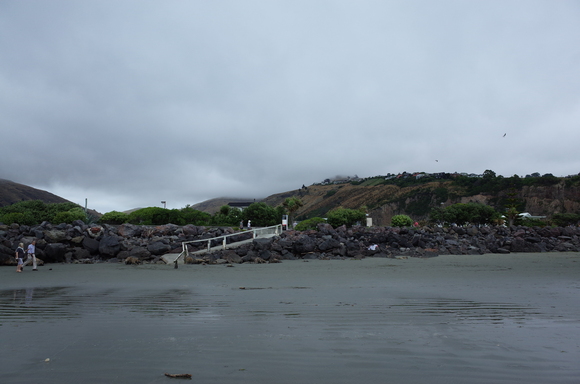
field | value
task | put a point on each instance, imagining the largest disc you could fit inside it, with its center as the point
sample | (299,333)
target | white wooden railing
(256,232)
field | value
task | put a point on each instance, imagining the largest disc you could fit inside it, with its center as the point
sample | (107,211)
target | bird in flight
(504,134)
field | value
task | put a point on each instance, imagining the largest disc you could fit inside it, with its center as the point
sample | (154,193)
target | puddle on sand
(470,311)
(52,303)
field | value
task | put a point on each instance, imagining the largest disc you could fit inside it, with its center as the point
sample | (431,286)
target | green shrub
(526,222)
(565,219)
(154,216)
(401,221)
(461,213)
(32,212)
(195,217)
(17,218)
(114,217)
(345,216)
(226,216)
(69,216)
(309,224)
(261,215)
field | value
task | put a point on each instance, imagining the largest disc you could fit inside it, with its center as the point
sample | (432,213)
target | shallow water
(452,319)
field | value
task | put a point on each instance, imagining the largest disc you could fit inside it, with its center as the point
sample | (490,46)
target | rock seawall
(81,243)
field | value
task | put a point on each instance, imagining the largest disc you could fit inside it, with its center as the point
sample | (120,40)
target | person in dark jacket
(19,257)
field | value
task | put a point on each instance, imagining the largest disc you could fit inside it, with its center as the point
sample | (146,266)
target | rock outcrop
(131,244)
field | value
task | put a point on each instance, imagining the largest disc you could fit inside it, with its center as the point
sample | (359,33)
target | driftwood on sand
(179,375)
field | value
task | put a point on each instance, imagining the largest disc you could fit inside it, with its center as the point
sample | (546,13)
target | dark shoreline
(80,243)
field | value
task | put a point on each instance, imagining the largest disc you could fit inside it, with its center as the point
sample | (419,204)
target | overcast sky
(130,103)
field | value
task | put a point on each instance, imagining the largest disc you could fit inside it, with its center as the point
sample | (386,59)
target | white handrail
(256,232)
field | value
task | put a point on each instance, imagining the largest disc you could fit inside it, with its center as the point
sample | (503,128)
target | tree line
(33,212)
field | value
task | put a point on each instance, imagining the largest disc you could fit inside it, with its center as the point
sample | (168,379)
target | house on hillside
(241,205)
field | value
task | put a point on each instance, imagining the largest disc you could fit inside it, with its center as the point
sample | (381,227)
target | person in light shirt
(31,255)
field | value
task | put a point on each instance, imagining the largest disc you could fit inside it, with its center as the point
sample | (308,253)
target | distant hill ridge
(11,192)
(415,196)
(385,197)
(212,206)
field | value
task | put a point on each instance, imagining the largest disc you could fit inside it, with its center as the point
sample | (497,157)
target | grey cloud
(128,102)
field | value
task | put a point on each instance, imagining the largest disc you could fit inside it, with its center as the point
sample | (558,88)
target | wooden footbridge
(222,242)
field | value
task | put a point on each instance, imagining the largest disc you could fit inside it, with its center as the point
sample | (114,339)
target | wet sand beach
(450,319)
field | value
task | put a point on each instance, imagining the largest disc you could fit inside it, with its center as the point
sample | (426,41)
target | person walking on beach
(19,257)
(249,225)
(31,255)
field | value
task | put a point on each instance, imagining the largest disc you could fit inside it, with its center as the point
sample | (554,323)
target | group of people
(30,258)
(242,224)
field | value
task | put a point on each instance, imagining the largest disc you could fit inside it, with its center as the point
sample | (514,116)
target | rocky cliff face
(384,201)
(553,199)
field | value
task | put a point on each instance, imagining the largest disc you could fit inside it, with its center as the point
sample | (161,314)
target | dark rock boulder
(130,230)
(250,256)
(74,232)
(265,255)
(472,231)
(304,244)
(353,248)
(164,230)
(533,239)
(262,244)
(287,255)
(141,253)
(567,247)
(379,238)
(340,250)
(231,257)
(570,231)
(191,230)
(90,245)
(242,251)
(393,239)
(55,236)
(520,245)
(158,248)
(109,246)
(6,255)
(55,253)
(459,230)
(81,253)
(284,243)
(326,229)
(328,244)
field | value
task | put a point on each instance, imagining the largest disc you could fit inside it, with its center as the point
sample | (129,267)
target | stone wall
(80,243)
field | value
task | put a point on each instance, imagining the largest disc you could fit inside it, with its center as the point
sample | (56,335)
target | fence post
(224,243)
